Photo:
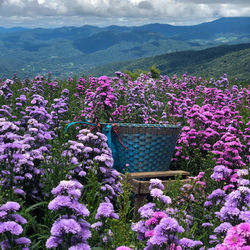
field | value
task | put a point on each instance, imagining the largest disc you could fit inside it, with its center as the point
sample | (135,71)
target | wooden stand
(141,187)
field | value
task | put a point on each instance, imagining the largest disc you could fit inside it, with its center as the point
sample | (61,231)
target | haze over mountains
(73,50)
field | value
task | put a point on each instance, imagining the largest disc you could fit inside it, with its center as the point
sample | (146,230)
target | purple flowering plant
(11,227)
(36,154)
(70,229)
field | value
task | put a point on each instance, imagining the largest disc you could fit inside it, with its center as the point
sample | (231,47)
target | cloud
(145,5)
(124,12)
(217,1)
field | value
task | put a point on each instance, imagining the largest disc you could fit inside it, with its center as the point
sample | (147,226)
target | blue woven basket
(149,146)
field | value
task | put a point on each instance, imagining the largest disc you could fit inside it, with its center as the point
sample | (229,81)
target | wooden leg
(140,200)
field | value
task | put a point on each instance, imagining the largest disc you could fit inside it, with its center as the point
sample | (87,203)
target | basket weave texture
(150,146)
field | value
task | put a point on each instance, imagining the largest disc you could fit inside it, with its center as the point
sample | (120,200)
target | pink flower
(151,221)
(234,241)
(244,229)
(221,247)
(149,233)
(228,187)
(123,248)
(202,183)
(159,215)
(200,175)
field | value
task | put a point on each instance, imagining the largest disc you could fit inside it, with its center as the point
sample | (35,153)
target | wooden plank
(158,174)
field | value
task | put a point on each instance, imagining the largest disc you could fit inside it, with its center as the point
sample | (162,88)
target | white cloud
(124,12)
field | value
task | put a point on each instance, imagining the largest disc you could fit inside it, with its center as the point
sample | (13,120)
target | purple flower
(139,227)
(59,202)
(218,193)
(80,209)
(80,246)
(146,210)
(156,183)
(189,244)
(10,206)
(158,240)
(18,218)
(245,215)
(106,210)
(156,192)
(23,241)
(168,224)
(165,199)
(19,191)
(11,226)
(207,224)
(96,225)
(3,214)
(221,173)
(223,227)
(53,242)
(208,204)
(68,186)
(65,226)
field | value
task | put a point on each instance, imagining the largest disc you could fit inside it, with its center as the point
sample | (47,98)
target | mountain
(220,29)
(69,51)
(231,59)
(8,30)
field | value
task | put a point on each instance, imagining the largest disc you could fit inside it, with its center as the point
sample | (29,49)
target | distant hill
(71,51)
(231,59)
(14,29)
(231,28)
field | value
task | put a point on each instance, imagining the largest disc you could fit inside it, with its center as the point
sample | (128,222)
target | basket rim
(140,125)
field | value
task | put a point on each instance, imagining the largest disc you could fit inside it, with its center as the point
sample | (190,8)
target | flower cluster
(70,230)
(157,227)
(11,227)
(99,99)
(60,108)
(91,149)
(238,237)
(232,204)
(5,89)
(104,215)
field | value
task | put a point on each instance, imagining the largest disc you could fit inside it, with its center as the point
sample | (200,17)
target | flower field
(59,189)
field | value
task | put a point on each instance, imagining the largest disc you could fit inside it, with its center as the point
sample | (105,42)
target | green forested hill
(231,59)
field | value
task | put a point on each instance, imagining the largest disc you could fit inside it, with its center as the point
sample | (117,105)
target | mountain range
(70,51)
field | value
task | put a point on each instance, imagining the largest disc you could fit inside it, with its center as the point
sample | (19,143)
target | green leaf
(33,207)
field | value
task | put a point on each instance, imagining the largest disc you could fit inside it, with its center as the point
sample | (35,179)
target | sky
(58,13)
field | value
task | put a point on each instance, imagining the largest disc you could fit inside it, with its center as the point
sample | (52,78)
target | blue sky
(57,13)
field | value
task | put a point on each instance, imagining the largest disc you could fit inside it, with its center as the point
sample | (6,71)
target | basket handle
(72,123)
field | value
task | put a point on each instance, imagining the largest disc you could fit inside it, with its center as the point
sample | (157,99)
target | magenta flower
(234,241)
(237,237)
(244,229)
(123,248)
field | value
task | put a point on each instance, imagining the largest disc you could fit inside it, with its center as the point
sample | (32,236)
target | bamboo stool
(141,187)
